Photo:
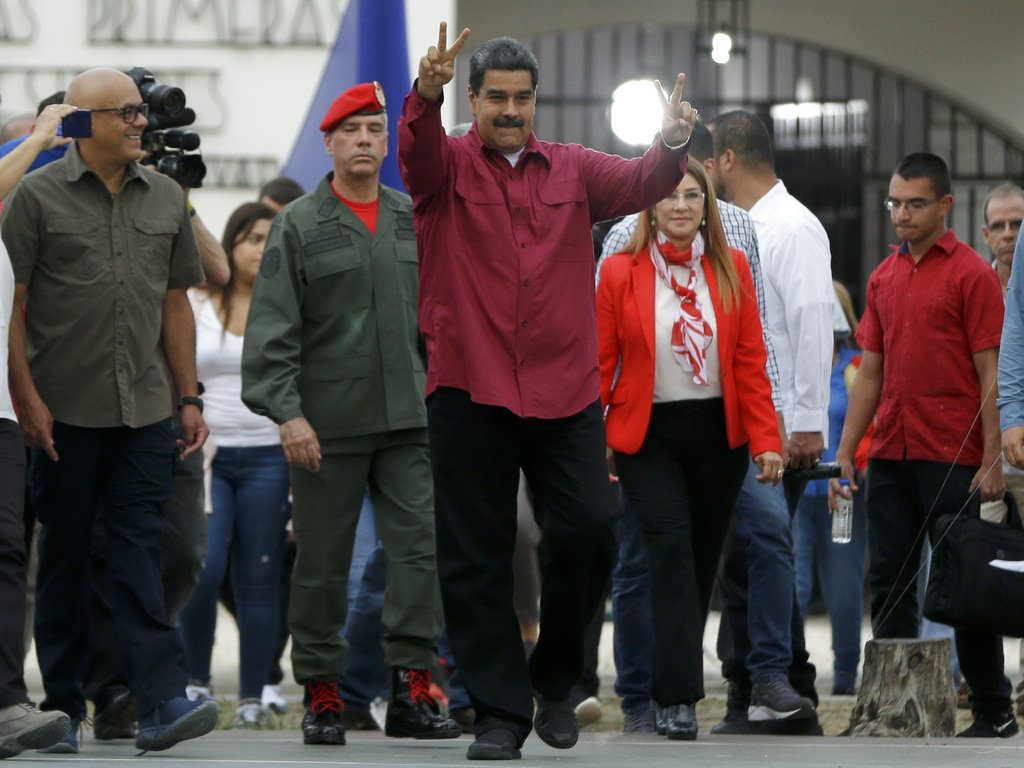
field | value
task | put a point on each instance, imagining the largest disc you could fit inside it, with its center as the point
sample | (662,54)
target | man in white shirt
(761,639)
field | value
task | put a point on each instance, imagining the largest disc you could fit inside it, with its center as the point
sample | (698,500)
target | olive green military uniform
(332,336)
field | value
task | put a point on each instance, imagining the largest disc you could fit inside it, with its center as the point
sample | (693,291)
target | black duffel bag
(974,582)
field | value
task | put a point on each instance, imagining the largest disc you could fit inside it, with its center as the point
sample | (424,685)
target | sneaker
(412,710)
(1002,726)
(637,720)
(588,711)
(249,714)
(555,723)
(775,699)
(322,722)
(273,700)
(176,720)
(69,744)
(23,726)
(195,692)
(117,718)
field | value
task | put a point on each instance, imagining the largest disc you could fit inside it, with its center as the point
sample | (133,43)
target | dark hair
(501,53)
(282,190)
(240,223)
(702,145)
(1006,189)
(746,135)
(925,165)
(53,98)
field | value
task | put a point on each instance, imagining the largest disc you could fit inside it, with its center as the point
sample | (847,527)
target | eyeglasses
(914,205)
(691,197)
(128,112)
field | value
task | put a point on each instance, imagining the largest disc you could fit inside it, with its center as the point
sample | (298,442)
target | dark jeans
(128,471)
(182,550)
(477,452)
(900,496)
(249,487)
(13,562)
(682,484)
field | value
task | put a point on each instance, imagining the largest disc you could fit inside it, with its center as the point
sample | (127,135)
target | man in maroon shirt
(931,343)
(507,310)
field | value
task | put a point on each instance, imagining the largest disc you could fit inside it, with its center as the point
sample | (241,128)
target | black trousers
(733,646)
(682,484)
(477,452)
(900,496)
(128,471)
(13,562)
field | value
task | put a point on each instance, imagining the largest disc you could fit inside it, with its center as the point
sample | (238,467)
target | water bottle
(842,518)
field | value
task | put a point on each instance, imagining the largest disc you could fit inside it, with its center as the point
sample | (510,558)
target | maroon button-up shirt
(927,320)
(507,261)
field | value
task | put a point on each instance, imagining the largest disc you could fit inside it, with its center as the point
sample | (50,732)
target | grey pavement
(234,749)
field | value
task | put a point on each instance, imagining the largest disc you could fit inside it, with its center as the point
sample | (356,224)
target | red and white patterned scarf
(691,334)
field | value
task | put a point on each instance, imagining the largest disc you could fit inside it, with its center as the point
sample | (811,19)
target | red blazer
(625,329)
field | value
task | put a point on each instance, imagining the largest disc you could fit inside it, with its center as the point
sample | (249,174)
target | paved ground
(231,749)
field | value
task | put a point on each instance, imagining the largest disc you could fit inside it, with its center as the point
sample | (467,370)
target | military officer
(332,355)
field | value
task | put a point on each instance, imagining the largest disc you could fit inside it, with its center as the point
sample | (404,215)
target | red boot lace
(419,685)
(323,697)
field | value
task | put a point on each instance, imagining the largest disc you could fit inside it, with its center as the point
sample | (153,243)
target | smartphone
(77,125)
(820,471)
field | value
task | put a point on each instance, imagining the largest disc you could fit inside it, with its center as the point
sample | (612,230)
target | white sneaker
(379,711)
(588,711)
(249,714)
(273,700)
(199,692)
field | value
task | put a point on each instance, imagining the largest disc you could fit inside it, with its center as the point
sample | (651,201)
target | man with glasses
(103,251)
(927,379)
(1003,211)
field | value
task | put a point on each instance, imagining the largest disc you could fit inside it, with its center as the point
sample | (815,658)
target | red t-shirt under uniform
(927,320)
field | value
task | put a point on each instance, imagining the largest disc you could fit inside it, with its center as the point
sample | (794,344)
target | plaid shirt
(739,233)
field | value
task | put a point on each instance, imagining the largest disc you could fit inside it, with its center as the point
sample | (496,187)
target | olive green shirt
(98,267)
(332,333)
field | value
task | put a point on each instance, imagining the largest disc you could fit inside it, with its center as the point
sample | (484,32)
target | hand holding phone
(77,125)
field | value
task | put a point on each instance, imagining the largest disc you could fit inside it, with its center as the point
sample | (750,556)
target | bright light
(721,47)
(635,113)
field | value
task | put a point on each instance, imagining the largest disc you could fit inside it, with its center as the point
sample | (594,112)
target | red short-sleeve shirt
(927,320)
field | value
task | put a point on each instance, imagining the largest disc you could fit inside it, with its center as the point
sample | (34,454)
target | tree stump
(906,690)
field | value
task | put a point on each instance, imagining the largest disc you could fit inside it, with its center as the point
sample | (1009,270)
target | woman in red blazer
(686,396)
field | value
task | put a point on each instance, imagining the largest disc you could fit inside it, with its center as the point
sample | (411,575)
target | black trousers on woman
(682,484)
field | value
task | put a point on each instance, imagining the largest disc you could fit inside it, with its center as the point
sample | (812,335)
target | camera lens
(164,99)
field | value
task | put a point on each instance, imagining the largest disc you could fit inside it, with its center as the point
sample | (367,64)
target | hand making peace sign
(680,117)
(437,68)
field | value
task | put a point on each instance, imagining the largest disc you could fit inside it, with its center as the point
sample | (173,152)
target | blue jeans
(762,523)
(840,569)
(250,512)
(365,676)
(631,614)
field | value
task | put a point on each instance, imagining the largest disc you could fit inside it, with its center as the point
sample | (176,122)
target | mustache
(508,122)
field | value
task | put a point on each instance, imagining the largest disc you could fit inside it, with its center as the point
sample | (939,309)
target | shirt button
(517,210)
(525,323)
(120,281)
(524,245)
(120,310)
(526,283)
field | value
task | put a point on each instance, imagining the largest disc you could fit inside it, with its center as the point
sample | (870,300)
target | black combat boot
(412,711)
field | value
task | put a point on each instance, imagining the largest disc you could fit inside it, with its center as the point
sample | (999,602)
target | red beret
(362,99)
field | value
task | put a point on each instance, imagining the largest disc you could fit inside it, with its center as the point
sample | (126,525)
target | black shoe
(117,718)
(555,723)
(681,722)
(737,700)
(358,720)
(1002,726)
(464,718)
(497,743)
(322,722)
(174,721)
(637,720)
(775,699)
(412,711)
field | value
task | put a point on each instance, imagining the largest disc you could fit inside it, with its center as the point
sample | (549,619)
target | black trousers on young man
(477,452)
(13,562)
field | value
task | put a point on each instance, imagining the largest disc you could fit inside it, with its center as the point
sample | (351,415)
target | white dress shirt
(796,264)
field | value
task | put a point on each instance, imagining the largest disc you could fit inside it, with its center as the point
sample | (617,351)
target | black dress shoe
(497,743)
(681,722)
(412,711)
(117,718)
(555,723)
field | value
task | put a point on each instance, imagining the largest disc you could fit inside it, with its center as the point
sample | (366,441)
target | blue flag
(371,45)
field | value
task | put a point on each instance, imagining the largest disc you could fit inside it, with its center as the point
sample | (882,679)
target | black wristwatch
(189,400)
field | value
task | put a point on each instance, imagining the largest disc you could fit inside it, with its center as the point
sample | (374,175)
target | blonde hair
(715,245)
(846,302)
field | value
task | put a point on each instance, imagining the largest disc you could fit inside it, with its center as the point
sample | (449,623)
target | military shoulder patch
(270,264)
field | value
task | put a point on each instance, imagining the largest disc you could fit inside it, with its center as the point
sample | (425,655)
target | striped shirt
(739,233)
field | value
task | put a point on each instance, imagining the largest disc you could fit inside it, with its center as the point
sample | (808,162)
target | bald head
(100,88)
